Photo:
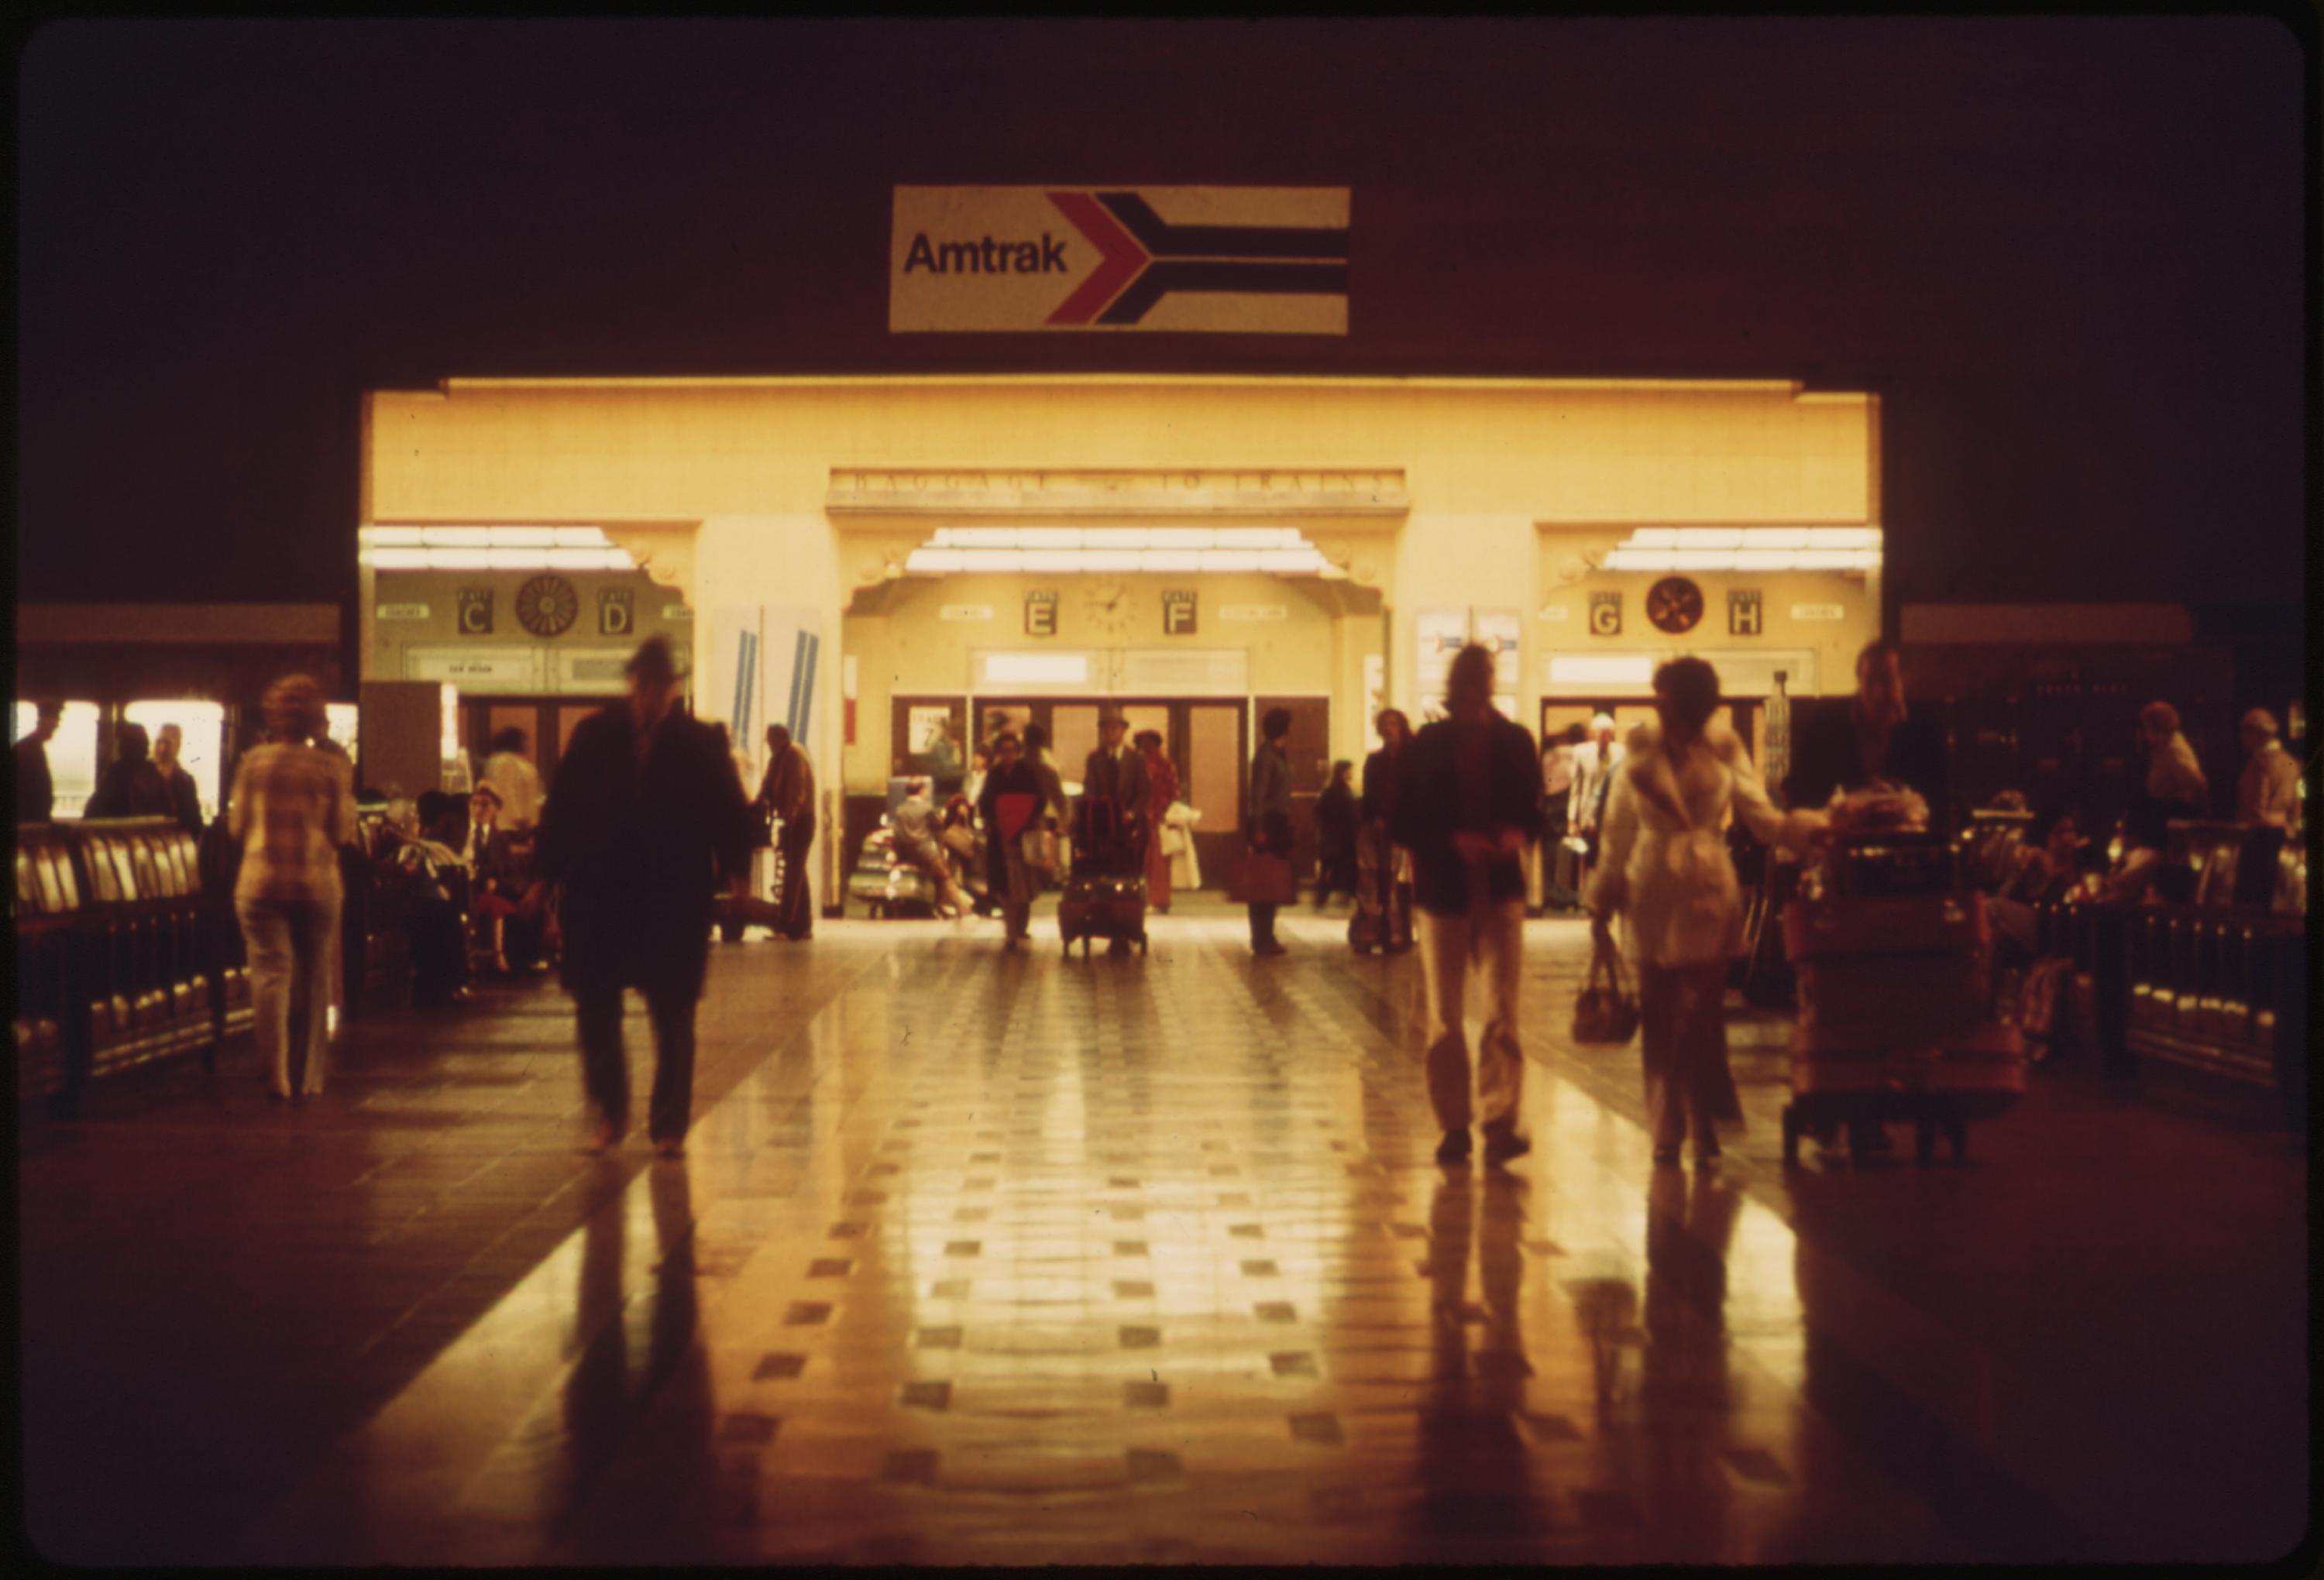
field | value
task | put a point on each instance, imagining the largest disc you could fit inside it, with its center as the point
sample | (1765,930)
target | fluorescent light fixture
(1260,538)
(1762,559)
(459,559)
(396,559)
(1843,537)
(581,559)
(1601,669)
(521,537)
(390,537)
(1228,559)
(1049,537)
(456,536)
(976,538)
(1699,559)
(1111,559)
(1652,537)
(989,559)
(1708,537)
(929,562)
(515,559)
(579,537)
(1293,560)
(1169,559)
(1038,668)
(1049,559)
(1759,537)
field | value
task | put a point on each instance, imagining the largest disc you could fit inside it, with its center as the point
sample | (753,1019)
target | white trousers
(291,944)
(1490,935)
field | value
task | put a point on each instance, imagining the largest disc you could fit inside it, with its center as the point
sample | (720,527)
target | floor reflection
(641,1388)
(1478,1491)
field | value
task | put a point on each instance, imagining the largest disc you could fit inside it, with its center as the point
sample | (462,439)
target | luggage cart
(1105,894)
(1891,956)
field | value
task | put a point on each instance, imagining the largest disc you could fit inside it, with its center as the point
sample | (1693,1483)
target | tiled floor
(987,1258)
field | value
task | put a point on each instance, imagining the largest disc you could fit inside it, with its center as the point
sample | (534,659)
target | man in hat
(647,806)
(1115,773)
(2269,791)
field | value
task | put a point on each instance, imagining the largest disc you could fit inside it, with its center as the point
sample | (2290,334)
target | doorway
(1207,739)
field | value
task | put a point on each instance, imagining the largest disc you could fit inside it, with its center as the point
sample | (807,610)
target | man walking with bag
(1468,803)
(647,807)
(789,792)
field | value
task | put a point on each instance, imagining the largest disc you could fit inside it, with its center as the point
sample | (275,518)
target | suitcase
(1102,906)
(1892,1016)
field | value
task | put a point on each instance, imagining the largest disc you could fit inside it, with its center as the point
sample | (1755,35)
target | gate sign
(1237,259)
(1742,613)
(1606,614)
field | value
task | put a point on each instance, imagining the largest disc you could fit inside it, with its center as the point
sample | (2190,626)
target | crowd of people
(1441,844)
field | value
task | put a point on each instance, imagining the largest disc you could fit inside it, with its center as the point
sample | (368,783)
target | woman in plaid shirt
(292,806)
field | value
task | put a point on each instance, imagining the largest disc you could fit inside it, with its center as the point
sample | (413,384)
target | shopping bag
(1606,1011)
(1039,847)
(1261,879)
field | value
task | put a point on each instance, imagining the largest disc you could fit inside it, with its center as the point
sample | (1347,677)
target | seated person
(915,836)
(2138,873)
(963,849)
(497,890)
(2044,873)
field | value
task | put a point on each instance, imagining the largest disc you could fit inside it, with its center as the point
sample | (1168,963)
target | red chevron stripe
(1120,258)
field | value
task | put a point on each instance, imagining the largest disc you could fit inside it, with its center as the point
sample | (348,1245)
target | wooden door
(1213,760)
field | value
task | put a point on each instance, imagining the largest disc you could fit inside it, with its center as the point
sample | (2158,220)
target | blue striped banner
(746,677)
(802,703)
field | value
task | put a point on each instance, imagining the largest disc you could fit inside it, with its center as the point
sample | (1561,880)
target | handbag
(1261,879)
(1606,1011)
(1039,847)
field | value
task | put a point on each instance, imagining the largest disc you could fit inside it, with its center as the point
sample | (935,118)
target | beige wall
(725,483)
(552,451)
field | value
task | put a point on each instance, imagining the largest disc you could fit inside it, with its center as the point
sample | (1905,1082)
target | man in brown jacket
(787,791)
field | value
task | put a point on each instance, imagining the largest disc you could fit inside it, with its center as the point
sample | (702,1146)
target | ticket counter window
(72,752)
(203,726)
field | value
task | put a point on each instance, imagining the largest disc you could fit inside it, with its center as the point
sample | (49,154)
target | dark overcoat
(640,841)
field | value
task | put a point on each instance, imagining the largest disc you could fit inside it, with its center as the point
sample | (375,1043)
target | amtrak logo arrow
(1142,258)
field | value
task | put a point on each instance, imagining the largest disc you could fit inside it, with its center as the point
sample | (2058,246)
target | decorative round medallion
(546,606)
(1674,604)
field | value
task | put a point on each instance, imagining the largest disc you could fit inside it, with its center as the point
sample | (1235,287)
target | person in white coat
(1662,863)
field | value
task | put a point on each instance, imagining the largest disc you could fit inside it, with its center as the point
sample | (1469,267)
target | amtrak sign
(1234,260)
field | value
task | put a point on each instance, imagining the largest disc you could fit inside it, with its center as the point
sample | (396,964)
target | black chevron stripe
(1163,240)
(1160,278)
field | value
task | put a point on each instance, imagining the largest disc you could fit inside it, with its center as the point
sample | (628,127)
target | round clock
(546,606)
(1673,604)
(1107,605)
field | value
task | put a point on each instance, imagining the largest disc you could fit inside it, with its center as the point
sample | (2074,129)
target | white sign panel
(1250,611)
(511,669)
(965,611)
(403,611)
(1235,260)
(1818,612)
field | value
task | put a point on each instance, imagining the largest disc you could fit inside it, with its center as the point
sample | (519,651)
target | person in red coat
(1162,789)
